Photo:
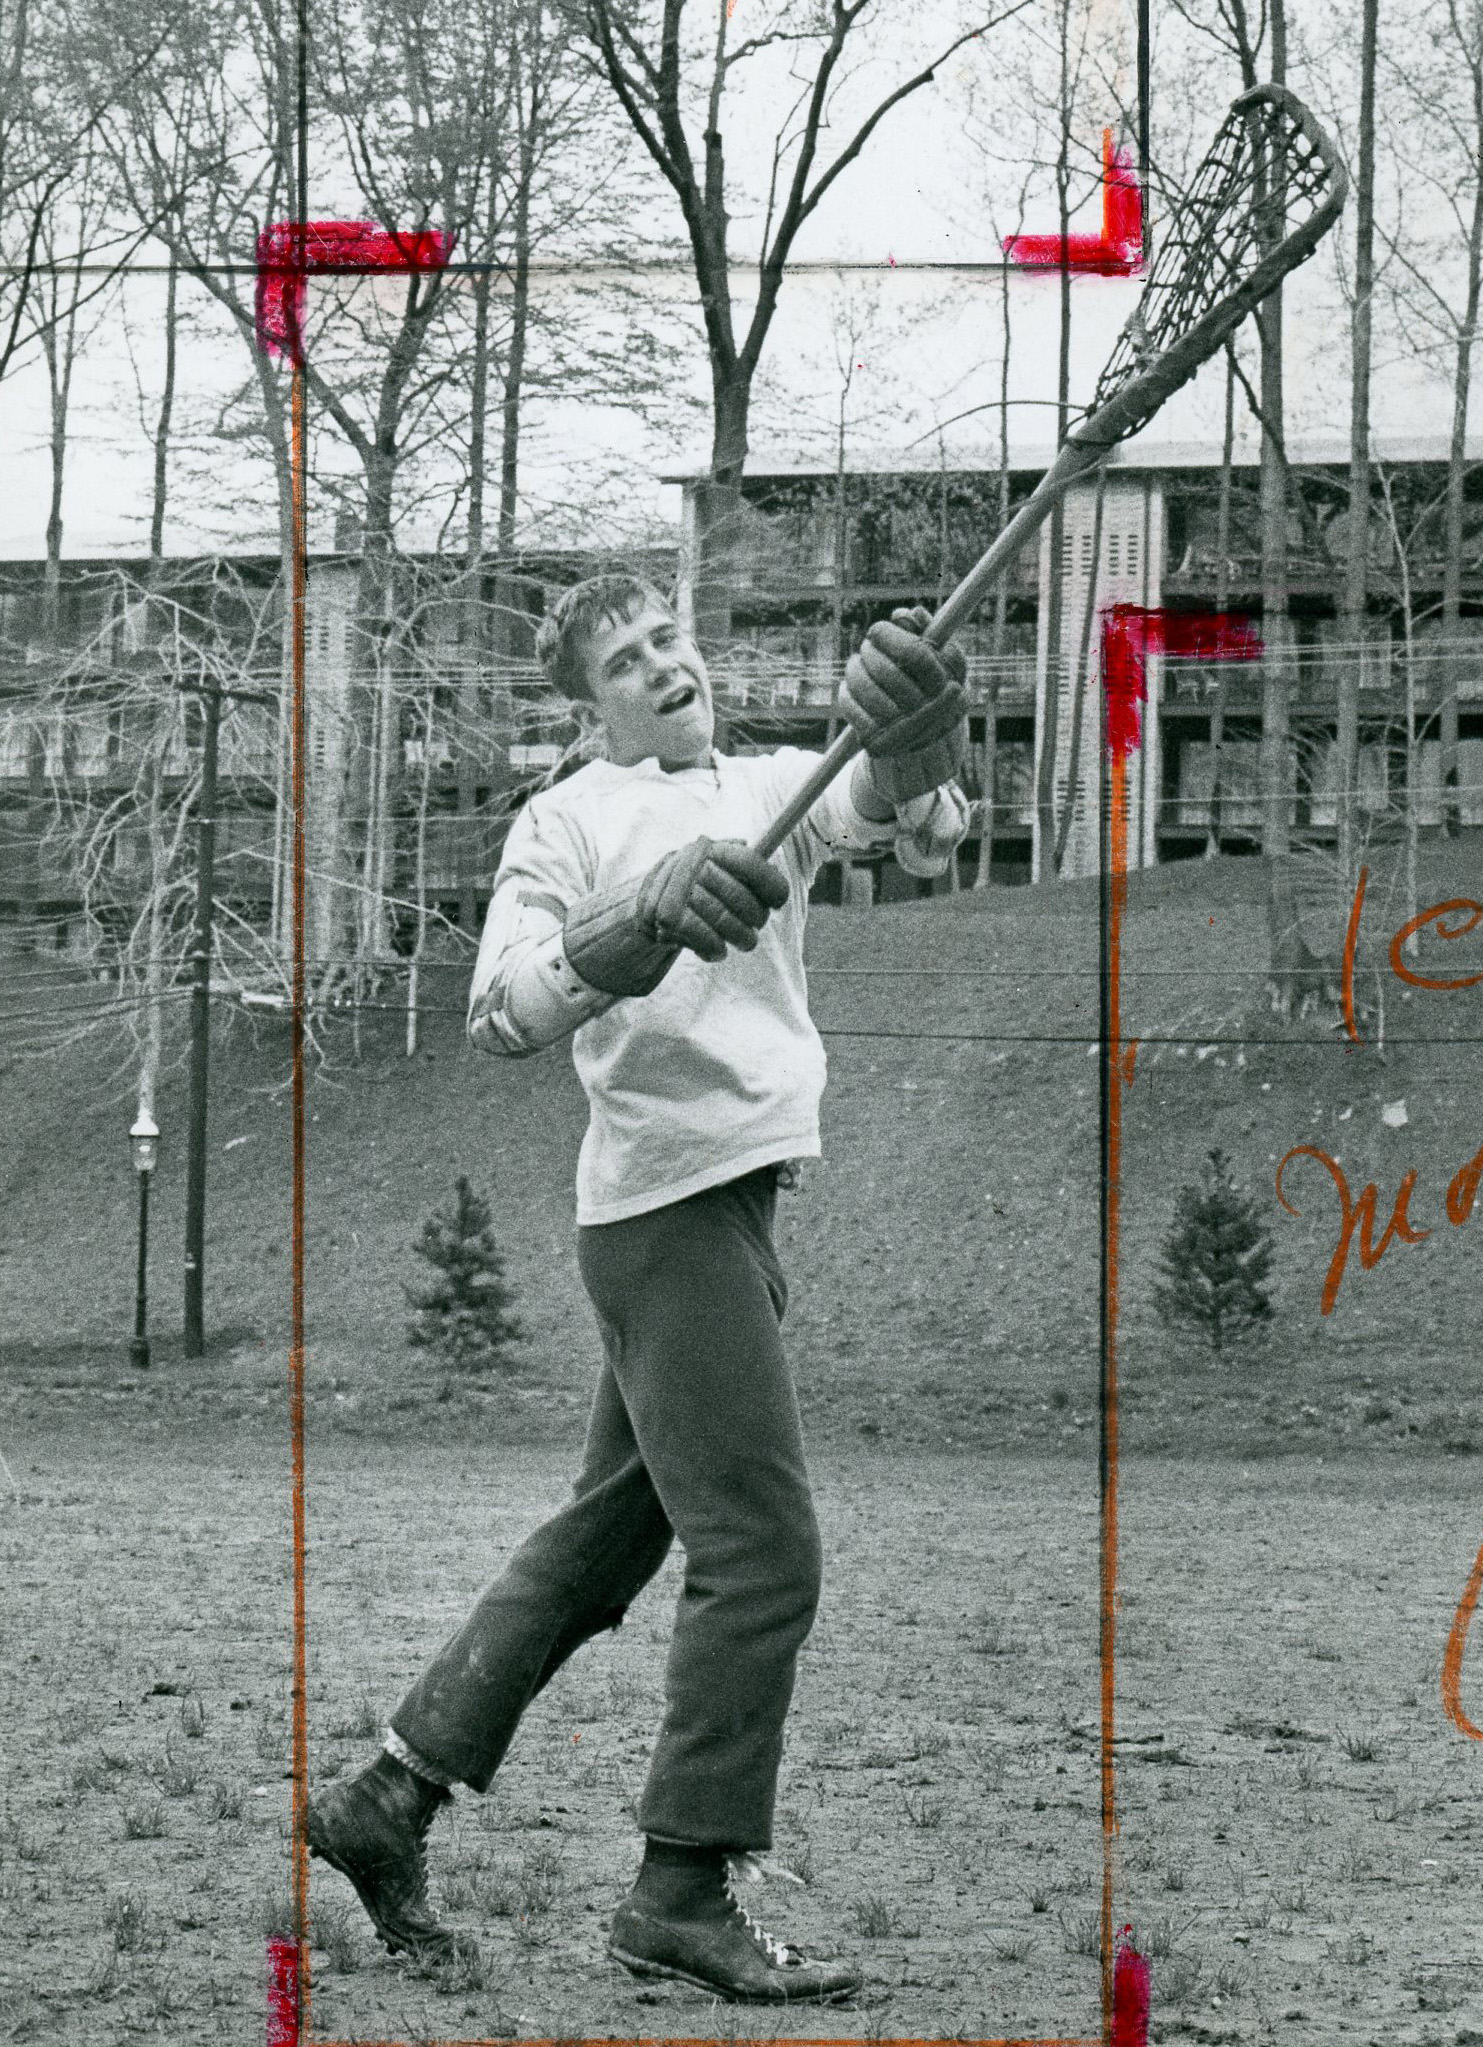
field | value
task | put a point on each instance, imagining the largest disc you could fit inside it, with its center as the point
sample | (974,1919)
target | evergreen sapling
(463,1310)
(1216,1261)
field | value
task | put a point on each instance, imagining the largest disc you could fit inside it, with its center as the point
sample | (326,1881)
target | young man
(629,912)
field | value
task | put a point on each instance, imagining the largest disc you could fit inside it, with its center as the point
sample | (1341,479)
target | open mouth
(677,699)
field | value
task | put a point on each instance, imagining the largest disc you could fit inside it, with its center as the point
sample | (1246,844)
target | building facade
(819,554)
(425,736)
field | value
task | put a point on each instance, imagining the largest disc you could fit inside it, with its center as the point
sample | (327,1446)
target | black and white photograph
(741,930)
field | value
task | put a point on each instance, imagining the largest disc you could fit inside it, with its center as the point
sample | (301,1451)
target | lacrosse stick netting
(1266,193)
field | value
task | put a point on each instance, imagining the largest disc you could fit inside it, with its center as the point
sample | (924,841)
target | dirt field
(1300,1845)
(1299,1848)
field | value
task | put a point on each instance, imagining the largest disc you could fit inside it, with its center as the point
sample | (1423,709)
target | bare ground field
(1298,1849)
(1300,1841)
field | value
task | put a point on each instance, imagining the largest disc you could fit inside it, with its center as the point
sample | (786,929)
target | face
(651,690)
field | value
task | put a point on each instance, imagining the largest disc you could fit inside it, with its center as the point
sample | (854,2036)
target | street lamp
(144,1141)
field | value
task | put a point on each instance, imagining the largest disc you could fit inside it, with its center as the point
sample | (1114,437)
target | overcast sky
(928,341)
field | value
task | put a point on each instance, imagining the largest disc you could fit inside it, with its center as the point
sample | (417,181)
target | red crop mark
(290,252)
(1130,1994)
(1117,251)
(1130,634)
(283,1992)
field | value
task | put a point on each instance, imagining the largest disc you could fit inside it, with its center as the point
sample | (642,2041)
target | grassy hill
(945,1257)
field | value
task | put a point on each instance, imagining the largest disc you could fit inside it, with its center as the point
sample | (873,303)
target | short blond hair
(568,628)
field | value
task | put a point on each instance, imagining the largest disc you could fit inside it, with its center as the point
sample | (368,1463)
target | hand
(906,700)
(712,894)
(929,831)
(707,897)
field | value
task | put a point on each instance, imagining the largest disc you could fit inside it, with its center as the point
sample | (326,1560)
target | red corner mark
(283,1992)
(288,252)
(1130,634)
(1130,1994)
(1117,251)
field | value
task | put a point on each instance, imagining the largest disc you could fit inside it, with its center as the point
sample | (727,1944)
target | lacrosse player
(629,914)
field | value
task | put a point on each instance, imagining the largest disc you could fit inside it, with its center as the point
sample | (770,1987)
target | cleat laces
(745,1868)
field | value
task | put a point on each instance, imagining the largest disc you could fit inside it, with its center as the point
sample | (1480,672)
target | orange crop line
(1351,942)
(298,782)
(1452,1704)
(1117,897)
(710,2040)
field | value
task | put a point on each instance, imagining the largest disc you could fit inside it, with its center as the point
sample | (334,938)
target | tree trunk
(513,389)
(1355,604)
(151,1052)
(373,662)
(984,877)
(841,540)
(57,348)
(718,511)
(375,611)
(1297,973)
(512,394)
(1222,603)
(1453,504)
(1276,625)
(473,632)
(419,883)
(1045,788)
(275,417)
(1080,678)
(988,769)
(162,424)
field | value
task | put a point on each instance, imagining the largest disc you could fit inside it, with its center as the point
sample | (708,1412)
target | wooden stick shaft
(1073,461)
(1132,405)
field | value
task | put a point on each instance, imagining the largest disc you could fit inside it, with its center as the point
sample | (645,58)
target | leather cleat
(373,1829)
(714,1943)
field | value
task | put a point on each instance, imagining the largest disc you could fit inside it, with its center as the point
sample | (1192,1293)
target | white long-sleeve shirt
(720,1070)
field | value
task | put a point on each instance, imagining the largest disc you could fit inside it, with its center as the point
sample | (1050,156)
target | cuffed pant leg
(696,1297)
(576,1575)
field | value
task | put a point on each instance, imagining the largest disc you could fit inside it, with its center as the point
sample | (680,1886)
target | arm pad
(542,1001)
(612,944)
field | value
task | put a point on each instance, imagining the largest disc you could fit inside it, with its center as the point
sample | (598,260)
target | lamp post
(144,1141)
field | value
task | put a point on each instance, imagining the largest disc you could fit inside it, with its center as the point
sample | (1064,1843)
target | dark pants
(694,1433)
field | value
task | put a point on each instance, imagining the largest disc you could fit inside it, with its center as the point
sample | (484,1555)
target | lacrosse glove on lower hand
(708,896)
(907,701)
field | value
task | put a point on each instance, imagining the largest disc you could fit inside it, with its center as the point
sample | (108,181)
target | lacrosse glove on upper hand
(708,896)
(907,701)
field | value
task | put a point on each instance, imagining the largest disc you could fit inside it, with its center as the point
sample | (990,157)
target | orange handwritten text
(1351,940)
(1457,1639)
(1464,907)
(1357,1217)
(1434,916)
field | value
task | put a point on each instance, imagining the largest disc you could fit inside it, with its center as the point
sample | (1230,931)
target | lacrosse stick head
(1269,189)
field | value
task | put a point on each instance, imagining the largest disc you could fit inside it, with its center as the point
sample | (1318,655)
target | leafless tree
(1354,606)
(1434,86)
(50,113)
(671,67)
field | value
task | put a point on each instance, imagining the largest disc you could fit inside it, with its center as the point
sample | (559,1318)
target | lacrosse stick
(1265,196)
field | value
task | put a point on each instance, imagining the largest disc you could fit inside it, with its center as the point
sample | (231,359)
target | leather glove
(908,703)
(708,896)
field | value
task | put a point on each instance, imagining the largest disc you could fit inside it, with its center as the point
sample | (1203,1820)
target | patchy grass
(940,1791)
(979,1295)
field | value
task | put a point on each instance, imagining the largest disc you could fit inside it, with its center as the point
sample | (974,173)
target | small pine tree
(463,1310)
(1217,1260)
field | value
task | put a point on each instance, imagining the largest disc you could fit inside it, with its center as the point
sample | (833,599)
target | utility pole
(211,695)
(195,1157)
